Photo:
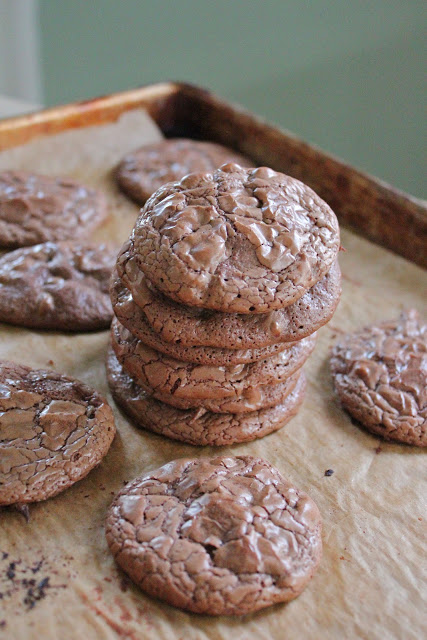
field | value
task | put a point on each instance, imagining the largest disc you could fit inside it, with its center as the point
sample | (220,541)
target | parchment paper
(57,577)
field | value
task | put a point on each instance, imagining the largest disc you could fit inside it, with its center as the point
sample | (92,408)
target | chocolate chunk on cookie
(235,240)
(134,319)
(226,535)
(53,431)
(197,426)
(147,169)
(36,208)
(57,285)
(192,326)
(163,374)
(380,375)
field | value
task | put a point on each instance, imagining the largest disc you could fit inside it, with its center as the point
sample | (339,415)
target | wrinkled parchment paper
(57,577)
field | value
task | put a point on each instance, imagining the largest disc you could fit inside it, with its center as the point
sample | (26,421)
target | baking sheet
(57,577)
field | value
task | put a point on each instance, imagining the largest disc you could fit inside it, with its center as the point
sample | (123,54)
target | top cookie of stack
(235,240)
(223,269)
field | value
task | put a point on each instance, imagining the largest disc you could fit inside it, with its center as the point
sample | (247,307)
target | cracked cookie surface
(36,208)
(163,374)
(147,169)
(380,375)
(192,326)
(234,240)
(135,322)
(198,426)
(53,431)
(57,285)
(251,399)
(225,535)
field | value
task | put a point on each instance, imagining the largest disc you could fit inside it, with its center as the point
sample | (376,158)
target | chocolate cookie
(147,169)
(380,375)
(53,431)
(197,426)
(163,374)
(192,326)
(216,536)
(131,316)
(251,399)
(235,240)
(35,208)
(60,285)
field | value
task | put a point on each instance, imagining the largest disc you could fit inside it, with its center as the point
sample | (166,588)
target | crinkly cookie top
(380,375)
(235,240)
(226,535)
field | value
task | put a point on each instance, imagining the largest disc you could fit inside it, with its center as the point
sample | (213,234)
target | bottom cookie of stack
(198,426)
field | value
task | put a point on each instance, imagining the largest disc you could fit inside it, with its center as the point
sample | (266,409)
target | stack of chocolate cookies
(217,295)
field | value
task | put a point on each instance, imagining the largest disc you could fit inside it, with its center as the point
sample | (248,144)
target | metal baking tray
(369,206)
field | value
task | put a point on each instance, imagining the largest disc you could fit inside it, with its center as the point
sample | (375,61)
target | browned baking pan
(369,206)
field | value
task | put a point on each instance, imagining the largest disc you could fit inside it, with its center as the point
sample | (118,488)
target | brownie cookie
(131,316)
(251,399)
(235,240)
(60,285)
(197,426)
(225,535)
(163,374)
(35,208)
(380,375)
(53,431)
(147,169)
(192,326)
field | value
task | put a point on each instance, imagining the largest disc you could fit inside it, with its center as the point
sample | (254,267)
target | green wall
(345,76)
